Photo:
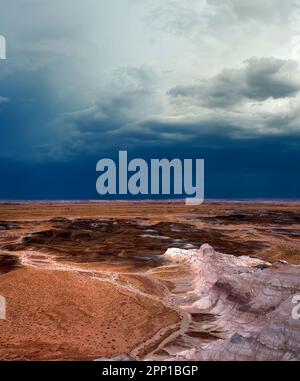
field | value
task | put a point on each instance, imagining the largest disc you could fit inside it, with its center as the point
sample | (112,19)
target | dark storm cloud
(235,168)
(95,132)
(84,79)
(133,116)
(258,80)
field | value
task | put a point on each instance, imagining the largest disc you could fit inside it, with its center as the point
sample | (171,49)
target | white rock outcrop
(251,300)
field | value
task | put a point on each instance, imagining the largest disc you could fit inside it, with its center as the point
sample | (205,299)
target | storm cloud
(207,78)
(258,80)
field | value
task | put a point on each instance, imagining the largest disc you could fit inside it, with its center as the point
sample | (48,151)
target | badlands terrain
(88,281)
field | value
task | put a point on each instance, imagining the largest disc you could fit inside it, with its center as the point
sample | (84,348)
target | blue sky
(218,80)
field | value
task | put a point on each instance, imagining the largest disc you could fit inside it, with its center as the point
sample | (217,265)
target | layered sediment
(244,305)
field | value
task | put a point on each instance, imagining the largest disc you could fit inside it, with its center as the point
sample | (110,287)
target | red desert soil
(61,315)
(53,313)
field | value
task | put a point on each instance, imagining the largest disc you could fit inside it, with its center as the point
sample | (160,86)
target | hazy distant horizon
(161,200)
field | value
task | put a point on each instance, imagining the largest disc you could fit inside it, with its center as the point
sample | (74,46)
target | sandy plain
(89,280)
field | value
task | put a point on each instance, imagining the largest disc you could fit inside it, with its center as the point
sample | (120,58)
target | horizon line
(208,200)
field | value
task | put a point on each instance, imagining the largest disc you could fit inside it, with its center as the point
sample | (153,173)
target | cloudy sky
(211,79)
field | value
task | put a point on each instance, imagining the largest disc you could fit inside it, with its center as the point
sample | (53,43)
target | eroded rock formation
(250,303)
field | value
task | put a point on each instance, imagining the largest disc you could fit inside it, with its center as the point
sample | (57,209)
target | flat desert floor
(85,281)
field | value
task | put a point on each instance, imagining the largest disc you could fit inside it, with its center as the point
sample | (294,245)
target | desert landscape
(150,280)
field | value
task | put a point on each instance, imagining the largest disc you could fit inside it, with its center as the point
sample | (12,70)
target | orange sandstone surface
(62,315)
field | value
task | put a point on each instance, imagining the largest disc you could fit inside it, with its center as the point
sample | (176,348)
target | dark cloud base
(79,86)
(234,169)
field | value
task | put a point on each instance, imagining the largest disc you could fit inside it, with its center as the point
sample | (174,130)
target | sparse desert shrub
(288,251)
